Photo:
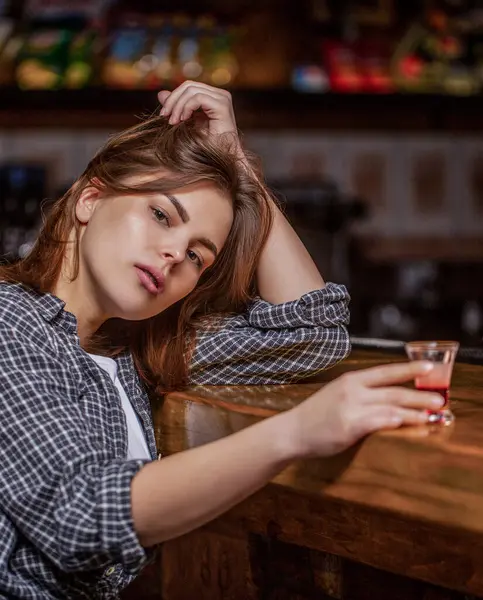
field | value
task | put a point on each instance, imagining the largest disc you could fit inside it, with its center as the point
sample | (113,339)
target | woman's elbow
(331,348)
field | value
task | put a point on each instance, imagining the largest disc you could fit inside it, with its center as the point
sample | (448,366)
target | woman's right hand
(222,473)
(357,404)
(215,104)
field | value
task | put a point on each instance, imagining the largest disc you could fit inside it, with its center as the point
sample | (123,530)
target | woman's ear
(86,204)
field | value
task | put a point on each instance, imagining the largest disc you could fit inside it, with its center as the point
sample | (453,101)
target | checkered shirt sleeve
(272,344)
(60,487)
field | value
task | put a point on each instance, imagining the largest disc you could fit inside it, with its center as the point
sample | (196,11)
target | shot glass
(443,354)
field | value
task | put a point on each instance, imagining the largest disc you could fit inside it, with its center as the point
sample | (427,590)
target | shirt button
(110,571)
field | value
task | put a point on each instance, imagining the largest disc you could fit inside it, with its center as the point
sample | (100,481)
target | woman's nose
(172,253)
(173,256)
(172,247)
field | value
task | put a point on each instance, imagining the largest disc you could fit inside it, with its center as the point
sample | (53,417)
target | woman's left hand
(216,106)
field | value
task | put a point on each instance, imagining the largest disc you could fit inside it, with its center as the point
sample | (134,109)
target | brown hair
(184,154)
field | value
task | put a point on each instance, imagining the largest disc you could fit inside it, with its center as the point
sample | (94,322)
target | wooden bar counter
(400,516)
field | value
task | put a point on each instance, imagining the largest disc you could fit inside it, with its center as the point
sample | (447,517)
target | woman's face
(141,254)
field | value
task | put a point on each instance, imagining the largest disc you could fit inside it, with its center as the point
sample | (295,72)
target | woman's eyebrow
(209,245)
(180,209)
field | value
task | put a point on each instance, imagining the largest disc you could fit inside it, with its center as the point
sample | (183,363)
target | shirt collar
(51,308)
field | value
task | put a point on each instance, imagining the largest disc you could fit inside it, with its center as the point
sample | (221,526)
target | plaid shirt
(275,343)
(66,529)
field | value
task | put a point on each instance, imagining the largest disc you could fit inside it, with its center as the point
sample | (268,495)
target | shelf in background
(256,109)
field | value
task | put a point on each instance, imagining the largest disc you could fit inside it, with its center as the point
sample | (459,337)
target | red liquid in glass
(444,391)
(437,381)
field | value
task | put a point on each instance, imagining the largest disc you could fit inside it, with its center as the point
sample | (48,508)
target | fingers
(394,373)
(163,96)
(390,417)
(174,103)
(399,396)
(192,99)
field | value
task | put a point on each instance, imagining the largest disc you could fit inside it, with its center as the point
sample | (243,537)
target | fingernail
(163,112)
(172,121)
(437,401)
(427,366)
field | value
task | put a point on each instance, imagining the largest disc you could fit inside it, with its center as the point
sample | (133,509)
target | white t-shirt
(137,446)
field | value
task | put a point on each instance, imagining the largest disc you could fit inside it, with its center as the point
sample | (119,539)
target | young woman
(167,225)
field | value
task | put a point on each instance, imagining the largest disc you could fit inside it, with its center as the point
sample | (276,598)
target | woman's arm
(85,509)
(274,343)
(188,489)
(285,271)
(299,326)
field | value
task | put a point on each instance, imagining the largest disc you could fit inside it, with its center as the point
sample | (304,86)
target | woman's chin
(132,313)
(132,307)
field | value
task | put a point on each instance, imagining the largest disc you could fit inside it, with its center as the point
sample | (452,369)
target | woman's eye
(193,257)
(160,216)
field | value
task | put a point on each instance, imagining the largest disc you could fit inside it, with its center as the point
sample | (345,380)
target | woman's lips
(147,279)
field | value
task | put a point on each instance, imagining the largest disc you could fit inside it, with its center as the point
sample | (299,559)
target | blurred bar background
(367,116)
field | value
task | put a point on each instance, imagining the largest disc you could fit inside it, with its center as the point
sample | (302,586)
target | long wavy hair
(172,157)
